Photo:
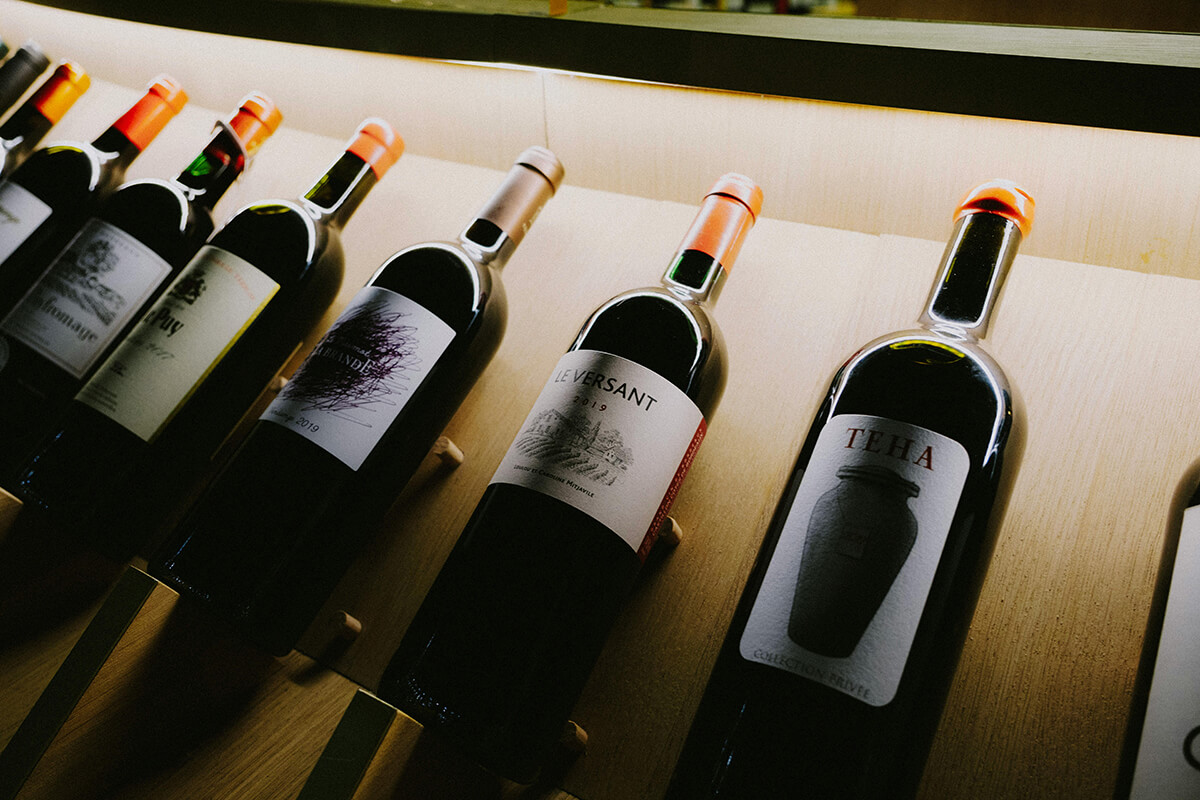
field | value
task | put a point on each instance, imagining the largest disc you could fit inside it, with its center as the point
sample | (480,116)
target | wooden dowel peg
(574,738)
(276,385)
(670,534)
(448,452)
(348,627)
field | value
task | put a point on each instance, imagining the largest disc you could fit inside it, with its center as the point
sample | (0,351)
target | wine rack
(1096,331)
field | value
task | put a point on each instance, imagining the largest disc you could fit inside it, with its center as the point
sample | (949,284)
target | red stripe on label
(665,506)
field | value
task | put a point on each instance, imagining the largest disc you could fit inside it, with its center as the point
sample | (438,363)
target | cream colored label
(1168,759)
(849,578)
(21,212)
(609,437)
(87,297)
(183,336)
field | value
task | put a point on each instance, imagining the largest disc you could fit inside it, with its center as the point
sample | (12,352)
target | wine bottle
(273,533)
(1161,757)
(504,641)
(26,127)
(833,672)
(96,290)
(19,72)
(150,418)
(48,197)
(3,48)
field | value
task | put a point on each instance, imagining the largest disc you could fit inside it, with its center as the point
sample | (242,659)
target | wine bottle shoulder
(60,171)
(157,213)
(925,378)
(279,237)
(147,195)
(444,279)
(924,343)
(674,336)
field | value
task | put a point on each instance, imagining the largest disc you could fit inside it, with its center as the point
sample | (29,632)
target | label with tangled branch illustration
(609,437)
(87,297)
(361,374)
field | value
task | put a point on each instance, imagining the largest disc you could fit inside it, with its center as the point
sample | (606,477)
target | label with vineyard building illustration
(361,374)
(87,297)
(609,437)
(588,451)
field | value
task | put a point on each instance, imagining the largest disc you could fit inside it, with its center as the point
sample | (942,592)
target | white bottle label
(611,438)
(21,212)
(186,333)
(87,297)
(361,374)
(1168,759)
(847,583)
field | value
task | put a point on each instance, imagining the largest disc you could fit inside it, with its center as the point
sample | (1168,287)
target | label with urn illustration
(21,212)
(1168,758)
(847,583)
(611,438)
(87,297)
(178,341)
(361,374)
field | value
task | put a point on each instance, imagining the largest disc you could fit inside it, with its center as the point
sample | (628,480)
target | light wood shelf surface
(1096,330)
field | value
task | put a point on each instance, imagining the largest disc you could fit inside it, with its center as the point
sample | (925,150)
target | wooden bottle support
(670,534)
(154,688)
(379,753)
(348,627)
(448,452)
(154,691)
(75,676)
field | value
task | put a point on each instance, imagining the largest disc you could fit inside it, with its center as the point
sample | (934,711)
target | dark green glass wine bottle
(48,197)
(1161,756)
(266,543)
(26,127)
(96,290)
(19,72)
(501,647)
(832,675)
(146,424)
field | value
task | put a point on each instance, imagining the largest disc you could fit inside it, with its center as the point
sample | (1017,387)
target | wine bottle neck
(695,275)
(335,197)
(973,269)
(712,244)
(24,129)
(19,72)
(212,172)
(487,244)
(500,225)
(116,152)
(136,128)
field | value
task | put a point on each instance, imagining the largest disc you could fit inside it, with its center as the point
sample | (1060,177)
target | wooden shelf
(378,753)
(153,701)
(1096,330)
